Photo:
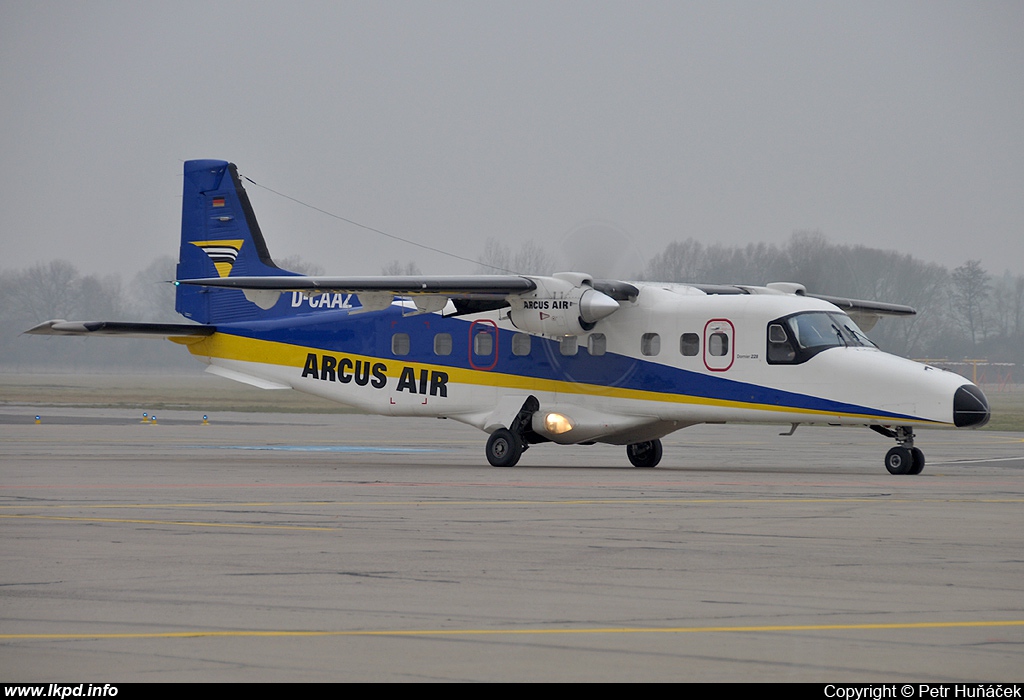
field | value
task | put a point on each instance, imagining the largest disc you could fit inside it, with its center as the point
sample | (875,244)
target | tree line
(966,312)
(961,313)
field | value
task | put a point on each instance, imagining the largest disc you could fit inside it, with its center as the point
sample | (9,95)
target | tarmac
(277,547)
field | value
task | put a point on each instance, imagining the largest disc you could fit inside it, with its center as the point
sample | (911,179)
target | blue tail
(220,238)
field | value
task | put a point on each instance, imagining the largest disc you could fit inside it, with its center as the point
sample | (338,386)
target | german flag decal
(218,202)
(222,253)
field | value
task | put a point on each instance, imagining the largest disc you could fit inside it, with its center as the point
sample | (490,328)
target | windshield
(821,328)
(799,337)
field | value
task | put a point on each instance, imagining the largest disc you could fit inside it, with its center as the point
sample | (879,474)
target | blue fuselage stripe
(370,334)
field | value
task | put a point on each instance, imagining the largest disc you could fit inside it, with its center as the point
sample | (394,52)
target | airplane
(566,358)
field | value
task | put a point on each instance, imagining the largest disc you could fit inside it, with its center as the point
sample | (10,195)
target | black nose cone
(970,407)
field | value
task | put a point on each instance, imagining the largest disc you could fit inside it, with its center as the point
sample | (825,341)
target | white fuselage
(669,358)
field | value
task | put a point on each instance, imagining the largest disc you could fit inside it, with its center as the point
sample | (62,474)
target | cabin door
(483,344)
(719,345)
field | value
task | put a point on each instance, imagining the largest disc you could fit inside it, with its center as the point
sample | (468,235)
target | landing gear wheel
(917,460)
(900,460)
(504,448)
(644,455)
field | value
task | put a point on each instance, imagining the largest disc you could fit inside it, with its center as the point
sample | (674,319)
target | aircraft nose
(970,407)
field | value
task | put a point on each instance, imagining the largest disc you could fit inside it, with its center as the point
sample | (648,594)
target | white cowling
(564,304)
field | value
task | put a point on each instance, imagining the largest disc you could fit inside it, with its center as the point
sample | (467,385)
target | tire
(900,460)
(644,455)
(917,461)
(504,448)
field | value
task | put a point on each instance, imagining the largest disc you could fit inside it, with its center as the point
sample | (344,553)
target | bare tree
(151,291)
(295,263)
(681,261)
(496,258)
(970,291)
(395,268)
(530,259)
(809,258)
(48,290)
(1007,305)
(58,290)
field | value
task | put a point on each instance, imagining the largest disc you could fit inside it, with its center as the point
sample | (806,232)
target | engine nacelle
(563,304)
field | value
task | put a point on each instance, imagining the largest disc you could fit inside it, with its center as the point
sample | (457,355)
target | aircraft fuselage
(673,357)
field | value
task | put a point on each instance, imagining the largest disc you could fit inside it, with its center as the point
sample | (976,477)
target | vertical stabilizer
(220,237)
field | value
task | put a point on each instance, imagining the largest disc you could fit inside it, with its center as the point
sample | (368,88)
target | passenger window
(597,344)
(443,344)
(521,344)
(400,344)
(483,343)
(568,345)
(718,344)
(650,343)
(689,344)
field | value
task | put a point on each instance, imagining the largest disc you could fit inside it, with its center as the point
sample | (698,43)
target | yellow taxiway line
(524,631)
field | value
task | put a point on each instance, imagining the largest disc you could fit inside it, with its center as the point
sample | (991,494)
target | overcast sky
(890,124)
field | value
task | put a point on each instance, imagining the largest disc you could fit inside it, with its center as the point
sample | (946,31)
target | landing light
(557,424)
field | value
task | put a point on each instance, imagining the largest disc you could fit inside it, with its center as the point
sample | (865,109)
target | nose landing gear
(904,458)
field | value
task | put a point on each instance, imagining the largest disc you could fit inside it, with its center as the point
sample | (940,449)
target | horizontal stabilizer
(125,330)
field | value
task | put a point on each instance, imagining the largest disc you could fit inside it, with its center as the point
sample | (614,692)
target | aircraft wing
(866,313)
(456,287)
(870,308)
(480,292)
(863,312)
(125,330)
(469,293)
(851,306)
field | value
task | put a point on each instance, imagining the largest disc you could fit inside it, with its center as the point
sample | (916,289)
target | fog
(598,130)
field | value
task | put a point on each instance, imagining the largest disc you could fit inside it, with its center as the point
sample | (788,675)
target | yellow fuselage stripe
(233,347)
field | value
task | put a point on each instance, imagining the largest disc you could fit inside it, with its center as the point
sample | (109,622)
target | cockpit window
(850,327)
(815,330)
(798,338)
(779,348)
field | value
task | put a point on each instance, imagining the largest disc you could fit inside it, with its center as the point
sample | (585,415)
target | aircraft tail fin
(220,237)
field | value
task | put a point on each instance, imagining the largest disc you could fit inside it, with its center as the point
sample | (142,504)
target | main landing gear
(904,458)
(504,448)
(644,455)
(506,445)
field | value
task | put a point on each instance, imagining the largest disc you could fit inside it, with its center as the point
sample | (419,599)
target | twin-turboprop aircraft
(567,359)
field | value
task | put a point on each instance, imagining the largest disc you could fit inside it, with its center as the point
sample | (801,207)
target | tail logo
(221,253)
